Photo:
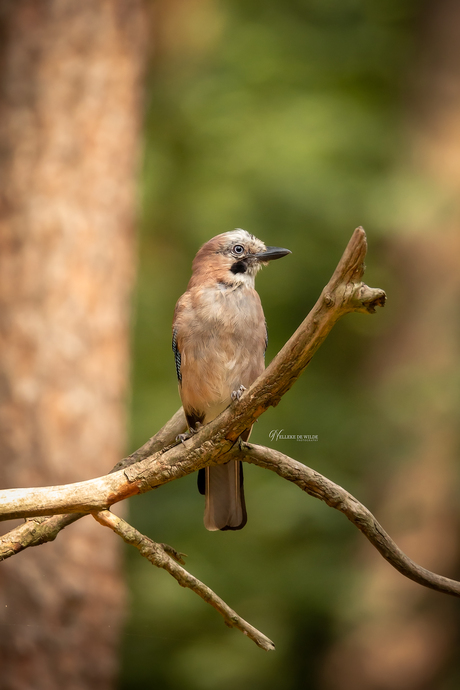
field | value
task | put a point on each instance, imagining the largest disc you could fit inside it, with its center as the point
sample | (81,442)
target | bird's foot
(236,395)
(185,437)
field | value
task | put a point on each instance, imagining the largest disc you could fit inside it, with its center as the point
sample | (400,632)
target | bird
(219,342)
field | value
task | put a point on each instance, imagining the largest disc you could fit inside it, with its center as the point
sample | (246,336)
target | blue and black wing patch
(176,355)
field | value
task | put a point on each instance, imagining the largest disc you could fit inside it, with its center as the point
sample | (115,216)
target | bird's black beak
(272,253)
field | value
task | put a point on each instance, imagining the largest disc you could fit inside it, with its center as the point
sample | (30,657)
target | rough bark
(69,124)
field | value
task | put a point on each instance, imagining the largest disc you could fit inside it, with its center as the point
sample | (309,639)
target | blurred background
(131,134)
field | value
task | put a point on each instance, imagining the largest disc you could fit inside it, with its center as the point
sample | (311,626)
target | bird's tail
(225,507)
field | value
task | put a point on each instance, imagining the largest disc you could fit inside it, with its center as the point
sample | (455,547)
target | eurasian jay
(219,342)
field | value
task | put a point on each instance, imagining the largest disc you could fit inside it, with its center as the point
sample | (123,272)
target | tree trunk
(70,79)
(400,636)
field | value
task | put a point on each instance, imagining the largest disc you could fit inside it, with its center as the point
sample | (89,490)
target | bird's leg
(236,395)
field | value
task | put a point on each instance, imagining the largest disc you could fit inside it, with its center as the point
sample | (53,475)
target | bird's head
(233,258)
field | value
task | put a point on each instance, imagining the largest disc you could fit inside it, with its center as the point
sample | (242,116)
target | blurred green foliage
(288,125)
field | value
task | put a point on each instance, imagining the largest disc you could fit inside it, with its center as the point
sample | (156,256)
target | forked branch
(161,459)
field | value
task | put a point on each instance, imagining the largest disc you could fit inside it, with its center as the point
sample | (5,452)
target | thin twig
(162,439)
(315,484)
(160,556)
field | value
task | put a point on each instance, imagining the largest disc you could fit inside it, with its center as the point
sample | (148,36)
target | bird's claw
(183,437)
(236,395)
(188,435)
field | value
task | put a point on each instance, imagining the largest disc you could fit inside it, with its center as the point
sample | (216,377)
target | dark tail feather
(201,481)
(225,506)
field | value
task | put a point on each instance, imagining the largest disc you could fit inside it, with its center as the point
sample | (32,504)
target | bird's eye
(238,249)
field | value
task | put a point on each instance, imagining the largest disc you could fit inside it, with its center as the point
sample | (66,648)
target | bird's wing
(177,356)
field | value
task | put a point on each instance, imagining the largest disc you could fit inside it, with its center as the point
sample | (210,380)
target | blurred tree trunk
(402,637)
(70,106)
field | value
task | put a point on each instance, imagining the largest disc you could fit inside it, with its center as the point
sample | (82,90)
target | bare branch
(39,530)
(163,438)
(160,556)
(320,487)
(32,532)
